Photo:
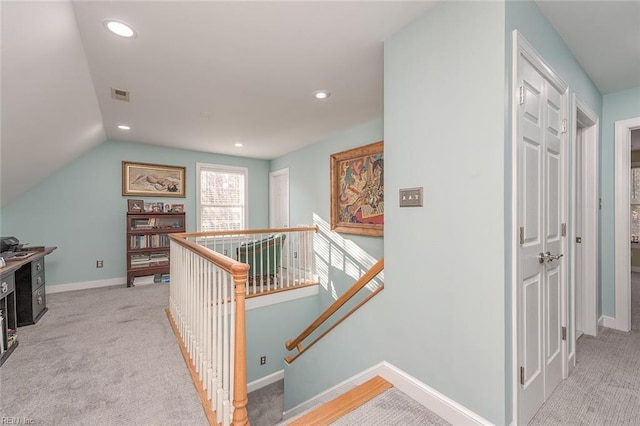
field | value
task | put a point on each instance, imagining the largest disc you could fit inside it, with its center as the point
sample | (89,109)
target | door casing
(584,117)
(276,209)
(622,262)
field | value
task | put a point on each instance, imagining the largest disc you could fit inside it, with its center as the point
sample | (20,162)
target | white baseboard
(431,399)
(265,381)
(606,321)
(281,296)
(59,288)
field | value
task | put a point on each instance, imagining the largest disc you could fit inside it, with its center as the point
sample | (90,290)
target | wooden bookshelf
(148,242)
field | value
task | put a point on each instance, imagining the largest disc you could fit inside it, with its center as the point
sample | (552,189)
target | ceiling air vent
(120,95)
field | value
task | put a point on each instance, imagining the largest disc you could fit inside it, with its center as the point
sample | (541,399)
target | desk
(8,321)
(30,291)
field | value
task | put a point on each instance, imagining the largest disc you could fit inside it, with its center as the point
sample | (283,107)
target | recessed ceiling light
(321,94)
(239,145)
(119,28)
(124,127)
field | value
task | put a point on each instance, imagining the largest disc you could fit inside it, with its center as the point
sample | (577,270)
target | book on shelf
(145,280)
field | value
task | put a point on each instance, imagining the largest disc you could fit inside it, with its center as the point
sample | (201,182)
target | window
(634,197)
(222,201)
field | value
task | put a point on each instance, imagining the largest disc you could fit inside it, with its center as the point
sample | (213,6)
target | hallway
(604,388)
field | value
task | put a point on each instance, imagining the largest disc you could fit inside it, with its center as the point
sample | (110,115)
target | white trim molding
(265,381)
(608,322)
(445,407)
(622,251)
(281,296)
(584,117)
(60,288)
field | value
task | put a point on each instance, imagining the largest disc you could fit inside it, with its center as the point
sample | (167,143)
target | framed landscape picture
(357,190)
(153,180)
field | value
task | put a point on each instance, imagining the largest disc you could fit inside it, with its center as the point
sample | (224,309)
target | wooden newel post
(240,356)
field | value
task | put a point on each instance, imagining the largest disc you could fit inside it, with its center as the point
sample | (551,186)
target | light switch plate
(411,197)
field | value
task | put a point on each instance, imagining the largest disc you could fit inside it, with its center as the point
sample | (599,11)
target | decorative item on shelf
(357,190)
(154,180)
(177,208)
(135,205)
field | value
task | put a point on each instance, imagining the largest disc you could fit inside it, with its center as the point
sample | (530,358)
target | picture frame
(357,190)
(153,180)
(135,205)
(177,208)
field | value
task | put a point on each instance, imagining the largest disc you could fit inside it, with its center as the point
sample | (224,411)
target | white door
(541,212)
(279,199)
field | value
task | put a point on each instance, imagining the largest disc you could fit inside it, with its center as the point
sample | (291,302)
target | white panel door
(540,213)
(279,199)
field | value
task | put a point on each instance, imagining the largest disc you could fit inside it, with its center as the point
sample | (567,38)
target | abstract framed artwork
(153,180)
(357,190)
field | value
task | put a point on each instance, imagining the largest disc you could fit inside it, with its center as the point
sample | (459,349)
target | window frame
(221,168)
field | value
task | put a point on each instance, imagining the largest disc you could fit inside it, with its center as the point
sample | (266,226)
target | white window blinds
(223,197)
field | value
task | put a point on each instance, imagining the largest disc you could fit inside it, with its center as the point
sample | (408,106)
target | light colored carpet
(266,405)
(101,357)
(604,388)
(392,407)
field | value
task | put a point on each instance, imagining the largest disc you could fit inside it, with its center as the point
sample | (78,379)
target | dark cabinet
(8,322)
(31,296)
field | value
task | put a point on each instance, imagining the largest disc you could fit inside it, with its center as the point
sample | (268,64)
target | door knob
(548,257)
(552,257)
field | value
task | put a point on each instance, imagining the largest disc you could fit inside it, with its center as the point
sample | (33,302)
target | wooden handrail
(353,290)
(302,350)
(247,232)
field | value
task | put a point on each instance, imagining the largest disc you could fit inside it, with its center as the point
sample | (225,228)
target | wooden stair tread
(344,404)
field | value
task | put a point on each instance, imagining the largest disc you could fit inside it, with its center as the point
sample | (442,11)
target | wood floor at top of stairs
(344,404)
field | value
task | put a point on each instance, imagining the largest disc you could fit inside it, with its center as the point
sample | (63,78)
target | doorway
(540,220)
(584,236)
(279,199)
(623,129)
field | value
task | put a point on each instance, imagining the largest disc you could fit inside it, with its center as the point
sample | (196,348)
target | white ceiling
(205,75)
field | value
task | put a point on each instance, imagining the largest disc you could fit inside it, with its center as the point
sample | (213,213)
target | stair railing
(335,306)
(207,306)
(280,258)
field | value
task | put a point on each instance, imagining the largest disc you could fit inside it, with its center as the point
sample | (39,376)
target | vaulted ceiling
(208,75)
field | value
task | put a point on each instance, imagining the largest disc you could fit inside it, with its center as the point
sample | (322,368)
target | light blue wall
(268,329)
(444,262)
(309,187)
(526,17)
(310,201)
(441,315)
(81,209)
(616,106)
